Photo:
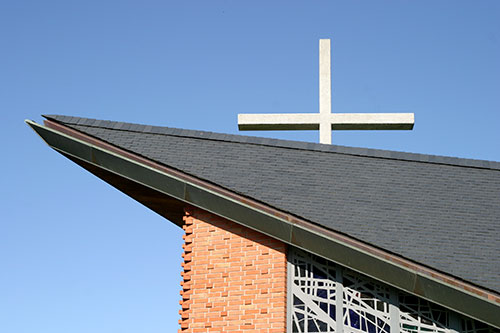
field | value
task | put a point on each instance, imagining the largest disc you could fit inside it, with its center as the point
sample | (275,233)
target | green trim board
(301,235)
(431,213)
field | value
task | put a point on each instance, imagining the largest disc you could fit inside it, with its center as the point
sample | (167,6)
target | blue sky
(77,255)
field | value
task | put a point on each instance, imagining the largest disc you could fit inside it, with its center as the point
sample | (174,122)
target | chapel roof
(441,212)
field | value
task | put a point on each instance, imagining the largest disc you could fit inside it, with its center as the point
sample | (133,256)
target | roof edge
(399,272)
(289,144)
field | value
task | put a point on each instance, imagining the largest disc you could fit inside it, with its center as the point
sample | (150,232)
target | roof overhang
(168,191)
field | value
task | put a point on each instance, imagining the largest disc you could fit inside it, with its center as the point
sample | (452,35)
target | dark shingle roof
(442,212)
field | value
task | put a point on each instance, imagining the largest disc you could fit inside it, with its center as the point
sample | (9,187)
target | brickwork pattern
(234,278)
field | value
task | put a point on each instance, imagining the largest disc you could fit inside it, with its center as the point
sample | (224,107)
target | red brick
(230,274)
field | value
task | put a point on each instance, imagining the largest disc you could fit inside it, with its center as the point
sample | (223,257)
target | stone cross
(325,120)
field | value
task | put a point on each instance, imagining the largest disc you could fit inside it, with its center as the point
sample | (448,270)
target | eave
(168,191)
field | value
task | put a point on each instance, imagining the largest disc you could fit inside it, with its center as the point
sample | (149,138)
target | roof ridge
(279,143)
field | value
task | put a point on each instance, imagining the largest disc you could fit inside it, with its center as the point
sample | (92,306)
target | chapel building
(285,236)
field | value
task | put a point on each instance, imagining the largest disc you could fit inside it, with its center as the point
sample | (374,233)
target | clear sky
(76,255)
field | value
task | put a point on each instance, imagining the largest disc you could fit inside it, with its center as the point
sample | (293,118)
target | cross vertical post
(325,92)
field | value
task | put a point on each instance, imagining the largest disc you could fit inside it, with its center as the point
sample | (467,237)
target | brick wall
(234,278)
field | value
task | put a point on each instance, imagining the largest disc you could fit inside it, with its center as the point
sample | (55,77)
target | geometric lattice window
(314,290)
(418,315)
(366,304)
(325,297)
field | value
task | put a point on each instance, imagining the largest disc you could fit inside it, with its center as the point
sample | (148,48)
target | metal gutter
(398,272)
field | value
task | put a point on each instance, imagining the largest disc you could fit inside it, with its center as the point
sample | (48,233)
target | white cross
(325,121)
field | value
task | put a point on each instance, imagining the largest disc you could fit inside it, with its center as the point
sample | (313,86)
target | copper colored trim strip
(284,216)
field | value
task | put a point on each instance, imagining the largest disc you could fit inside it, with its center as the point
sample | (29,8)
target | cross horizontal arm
(278,121)
(337,121)
(372,121)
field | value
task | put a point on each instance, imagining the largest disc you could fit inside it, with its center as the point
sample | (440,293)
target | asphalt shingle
(438,211)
